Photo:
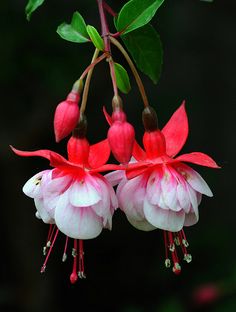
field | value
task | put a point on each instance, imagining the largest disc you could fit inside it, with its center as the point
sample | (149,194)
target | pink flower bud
(66,116)
(121,137)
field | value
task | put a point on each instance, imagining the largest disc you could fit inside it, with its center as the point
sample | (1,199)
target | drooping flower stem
(92,65)
(113,76)
(87,83)
(133,69)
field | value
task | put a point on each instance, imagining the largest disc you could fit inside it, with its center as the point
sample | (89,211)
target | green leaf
(31,6)
(136,13)
(122,78)
(75,31)
(95,37)
(145,46)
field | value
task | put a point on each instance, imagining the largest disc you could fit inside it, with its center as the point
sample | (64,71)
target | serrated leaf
(31,6)
(75,31)
(122,78)
(136,13)
(145,46)
(95,37)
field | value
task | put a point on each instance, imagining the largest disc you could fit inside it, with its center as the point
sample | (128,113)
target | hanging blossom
(159,190)
(74,198)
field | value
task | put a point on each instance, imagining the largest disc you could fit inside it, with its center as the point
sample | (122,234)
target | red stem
(104,24)
(109,9)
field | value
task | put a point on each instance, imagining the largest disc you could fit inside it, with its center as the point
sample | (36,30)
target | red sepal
(198,159)
(176,131)
(99,154)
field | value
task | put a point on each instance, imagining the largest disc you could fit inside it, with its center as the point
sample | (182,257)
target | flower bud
(121,136)
(67,113)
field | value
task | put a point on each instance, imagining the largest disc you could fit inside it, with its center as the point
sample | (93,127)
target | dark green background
(125,271)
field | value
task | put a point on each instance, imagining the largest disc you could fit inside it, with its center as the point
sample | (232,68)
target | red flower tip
(78,150)
(73,278)
(154,144)
(121,137)
(66,116)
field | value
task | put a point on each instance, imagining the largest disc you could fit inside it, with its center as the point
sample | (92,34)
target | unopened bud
(66,116)
(121,137)
(149,117)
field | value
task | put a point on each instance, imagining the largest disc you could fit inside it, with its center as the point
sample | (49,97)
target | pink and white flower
(74,195)
(160,191)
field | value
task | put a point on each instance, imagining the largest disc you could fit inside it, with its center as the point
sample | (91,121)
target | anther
(177,241)
(188,258)
(48,244)
(167,263)
(44,250)
(74,252)
(64,257)
(185,243)
(172,247)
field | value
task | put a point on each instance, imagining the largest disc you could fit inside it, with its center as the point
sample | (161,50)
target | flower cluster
(154,188)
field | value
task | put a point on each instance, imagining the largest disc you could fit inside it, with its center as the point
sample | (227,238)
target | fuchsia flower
(160,191)
(74,195)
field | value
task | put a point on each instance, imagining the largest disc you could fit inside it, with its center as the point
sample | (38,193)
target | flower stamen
(43,268)
(173,240)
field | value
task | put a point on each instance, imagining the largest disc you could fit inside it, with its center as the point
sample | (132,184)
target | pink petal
(138,152)
(163,219)
(77,222)
(176,131)
(198,159)
(142,225)
(84,193)
(99,154)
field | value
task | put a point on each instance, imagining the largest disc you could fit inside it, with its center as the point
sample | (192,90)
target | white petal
(154,187)
(105,207)
(141,225)
(42,212)
(195,180)
(32,187)
(193,198)
(84,193)
(131,196)
(77,222)
(183,197)
(163,219)
(115,177)
(168,186)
